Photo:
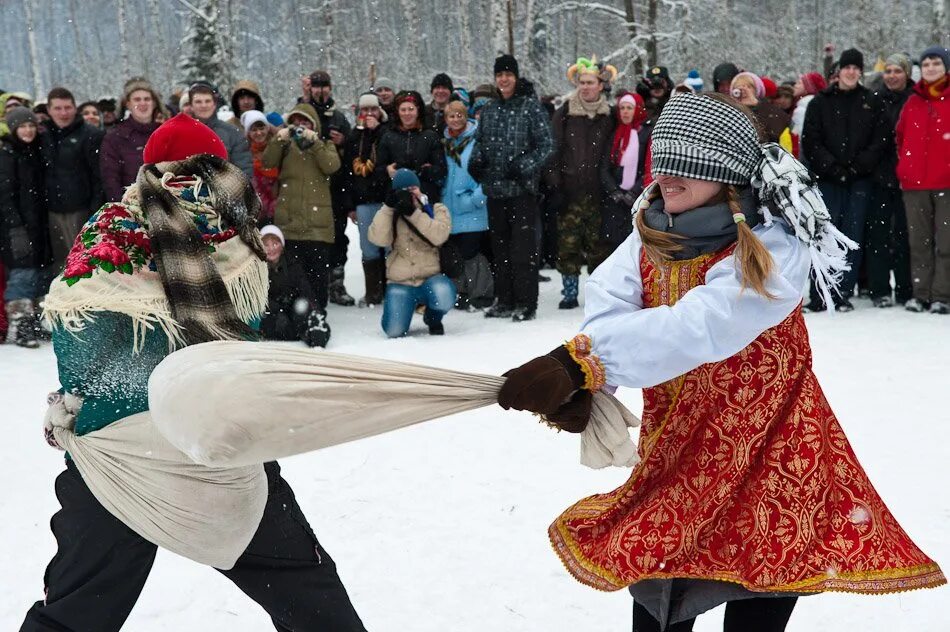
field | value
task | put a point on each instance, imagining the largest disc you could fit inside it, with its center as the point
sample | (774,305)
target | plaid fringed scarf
(197,295)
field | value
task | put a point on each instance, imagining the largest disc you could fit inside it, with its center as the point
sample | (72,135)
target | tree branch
(195,10)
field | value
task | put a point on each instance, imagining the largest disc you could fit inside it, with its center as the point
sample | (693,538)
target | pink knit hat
(756,81)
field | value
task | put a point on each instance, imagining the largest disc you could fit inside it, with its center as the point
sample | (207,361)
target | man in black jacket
(512,145)
(73,184)
(887,245)
(842,145)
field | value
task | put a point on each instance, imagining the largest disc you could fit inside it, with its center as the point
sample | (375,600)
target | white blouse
(642,347)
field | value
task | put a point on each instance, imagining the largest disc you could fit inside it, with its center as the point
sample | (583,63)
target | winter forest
(92,46)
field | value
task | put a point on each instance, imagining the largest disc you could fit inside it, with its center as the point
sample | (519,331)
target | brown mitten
(542,385)
(574,414)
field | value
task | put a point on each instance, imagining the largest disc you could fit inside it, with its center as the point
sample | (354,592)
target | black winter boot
(318,329)
(23,323)
(375,273)
(337,290)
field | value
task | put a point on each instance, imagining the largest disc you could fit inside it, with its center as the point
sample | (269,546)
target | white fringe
(141,297)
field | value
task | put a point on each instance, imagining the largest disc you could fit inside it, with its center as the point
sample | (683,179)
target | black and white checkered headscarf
(702,138)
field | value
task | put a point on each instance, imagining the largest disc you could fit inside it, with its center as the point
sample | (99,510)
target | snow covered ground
(442,527)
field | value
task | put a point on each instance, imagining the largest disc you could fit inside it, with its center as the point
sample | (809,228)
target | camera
(736,93)
(298,131)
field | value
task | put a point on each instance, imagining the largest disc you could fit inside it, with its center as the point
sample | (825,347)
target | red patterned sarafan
(746,477)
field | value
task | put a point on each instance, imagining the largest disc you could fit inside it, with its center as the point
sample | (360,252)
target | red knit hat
(180,137)
(770,88)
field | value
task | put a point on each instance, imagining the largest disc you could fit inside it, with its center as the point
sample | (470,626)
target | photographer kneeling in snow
(292,310)
(414,229)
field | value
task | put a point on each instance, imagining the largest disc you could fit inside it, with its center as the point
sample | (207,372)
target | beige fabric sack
(207,514)
(243,403)
(187,475)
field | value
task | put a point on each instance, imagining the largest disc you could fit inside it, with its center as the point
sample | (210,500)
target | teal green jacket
(99,365)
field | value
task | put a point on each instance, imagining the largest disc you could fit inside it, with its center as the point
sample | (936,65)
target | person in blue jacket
(468,206)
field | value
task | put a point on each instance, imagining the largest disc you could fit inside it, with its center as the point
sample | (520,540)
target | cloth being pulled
(238,403)
(187,475)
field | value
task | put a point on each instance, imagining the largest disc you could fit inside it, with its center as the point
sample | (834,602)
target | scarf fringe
(72,309)
(786,183)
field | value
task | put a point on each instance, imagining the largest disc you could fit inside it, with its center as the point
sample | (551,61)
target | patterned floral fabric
(115,238)
(746,477)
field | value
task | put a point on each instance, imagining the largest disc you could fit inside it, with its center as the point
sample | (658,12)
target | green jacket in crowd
(304,210)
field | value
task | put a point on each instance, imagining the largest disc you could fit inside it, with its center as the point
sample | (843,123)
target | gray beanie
(18,116)
(384,82)
(899,59)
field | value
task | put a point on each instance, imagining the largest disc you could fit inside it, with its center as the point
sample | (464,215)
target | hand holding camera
(402,202)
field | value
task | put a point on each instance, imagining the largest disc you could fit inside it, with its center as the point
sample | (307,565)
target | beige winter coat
(411,260)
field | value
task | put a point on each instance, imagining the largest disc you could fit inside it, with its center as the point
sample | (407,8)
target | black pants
(315,257)
(760,614)
(101,565)
(468,244)
(887,245)
(340,241)
(511,222)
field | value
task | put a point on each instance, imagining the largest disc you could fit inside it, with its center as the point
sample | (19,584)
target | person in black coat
(23,234)
(292,311)
(887,246)
(842,145)
(73,184)
(407,145)
(366,188)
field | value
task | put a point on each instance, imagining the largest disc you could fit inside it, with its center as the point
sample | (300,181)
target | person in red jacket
(923,168)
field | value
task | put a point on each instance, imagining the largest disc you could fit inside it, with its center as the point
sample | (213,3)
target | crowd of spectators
(462,200)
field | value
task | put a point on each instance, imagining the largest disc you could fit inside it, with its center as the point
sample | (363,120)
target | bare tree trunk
(528,22)
(34,54)
(940,28)
(82,58)
(155,19)
(499,25)
(631,16)
(123,40)
(465,39)
(651,29)
(510,10)
(298,36)
(328,23)
(410,43)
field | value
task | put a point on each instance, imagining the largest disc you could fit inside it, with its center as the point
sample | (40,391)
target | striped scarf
(197,295)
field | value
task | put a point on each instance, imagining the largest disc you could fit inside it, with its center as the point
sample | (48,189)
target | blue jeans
(848,205)
(364,217)
(22,283)
(437,294)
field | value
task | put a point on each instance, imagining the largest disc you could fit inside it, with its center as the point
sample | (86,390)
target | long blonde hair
(755,261)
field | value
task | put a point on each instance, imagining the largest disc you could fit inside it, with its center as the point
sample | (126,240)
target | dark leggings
(761,614)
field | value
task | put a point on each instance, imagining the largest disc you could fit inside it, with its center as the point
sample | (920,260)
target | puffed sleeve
(638,347)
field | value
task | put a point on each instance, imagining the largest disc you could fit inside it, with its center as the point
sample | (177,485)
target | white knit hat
(252,116)
(270,229)
(370,100)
